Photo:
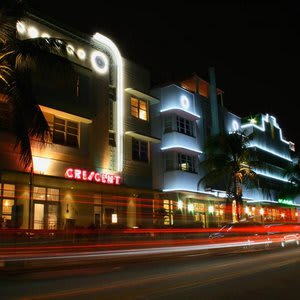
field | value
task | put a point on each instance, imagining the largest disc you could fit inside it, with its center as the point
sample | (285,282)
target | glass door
(38,216)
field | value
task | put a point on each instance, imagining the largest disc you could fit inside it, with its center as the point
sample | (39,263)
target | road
(205,274)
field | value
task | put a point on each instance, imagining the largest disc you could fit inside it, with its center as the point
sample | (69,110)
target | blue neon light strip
(265,174)
(182,147)
(179,108)
(270,151)
(263,128)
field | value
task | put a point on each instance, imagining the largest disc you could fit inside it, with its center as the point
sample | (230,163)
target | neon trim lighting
(218,194)
(235,125)
(252,145)
(119,62)
(181,147)
(70,49)
(32,32)
(45,35)
(179,108)
(180,189)
(99,62)
(92,176)
(81,54)
(184,101)
(251,200)
(264,119)
(286,201)
(21,28)
(267,174)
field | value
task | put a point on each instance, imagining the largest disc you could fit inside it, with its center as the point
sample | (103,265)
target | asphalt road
(226,274)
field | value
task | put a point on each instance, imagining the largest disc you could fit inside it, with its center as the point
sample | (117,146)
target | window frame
(189,161)
(138,108)
(137,148)
(185,126)
(65,131)
(7,215)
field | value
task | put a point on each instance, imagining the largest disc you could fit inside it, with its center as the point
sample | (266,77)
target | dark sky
(252,45)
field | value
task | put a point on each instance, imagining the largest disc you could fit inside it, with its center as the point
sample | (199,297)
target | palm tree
(18,59)
(292,173)
(229,162)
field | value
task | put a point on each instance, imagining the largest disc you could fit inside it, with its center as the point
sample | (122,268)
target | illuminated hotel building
(96,170)
(190,111)
(122,156)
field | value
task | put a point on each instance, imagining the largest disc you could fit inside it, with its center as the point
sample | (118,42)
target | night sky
(253,46)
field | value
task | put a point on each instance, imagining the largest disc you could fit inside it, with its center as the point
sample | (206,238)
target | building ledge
(143,137)
(64,115)
(142,95)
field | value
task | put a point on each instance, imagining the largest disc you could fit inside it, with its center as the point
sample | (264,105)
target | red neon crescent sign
(84,175)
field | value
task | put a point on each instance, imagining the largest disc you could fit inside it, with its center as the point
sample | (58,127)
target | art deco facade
(123,155)
(96,169)
(189,112)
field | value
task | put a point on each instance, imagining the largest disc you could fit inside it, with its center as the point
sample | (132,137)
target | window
(139,109)
(168,206)
(7,200)
(168,124)
(46,207)
(186,163)
(112,139)
(139,150)
(184,126)
(65,132)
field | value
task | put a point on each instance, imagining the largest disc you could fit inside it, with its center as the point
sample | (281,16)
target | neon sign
(92,176)
(286,201)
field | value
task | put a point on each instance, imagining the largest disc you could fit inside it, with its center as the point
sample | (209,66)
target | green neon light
(286,201)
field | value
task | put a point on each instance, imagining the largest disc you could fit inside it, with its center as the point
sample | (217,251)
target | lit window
(7,201)
(46,207)
(65,132)
(52,194)
(168,206)
(39,193)
(139,150)
(139,109)
(186,163)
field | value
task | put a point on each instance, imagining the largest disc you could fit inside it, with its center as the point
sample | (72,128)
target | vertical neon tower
(120,105)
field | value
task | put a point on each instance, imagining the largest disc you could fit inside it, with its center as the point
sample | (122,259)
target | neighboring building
(96,171)
(189,111)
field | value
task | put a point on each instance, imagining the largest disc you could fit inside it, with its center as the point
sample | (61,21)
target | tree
(18,59)
(229,162)
(292,173)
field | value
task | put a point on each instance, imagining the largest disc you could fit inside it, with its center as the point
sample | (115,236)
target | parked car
(283,234)
(248,233)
